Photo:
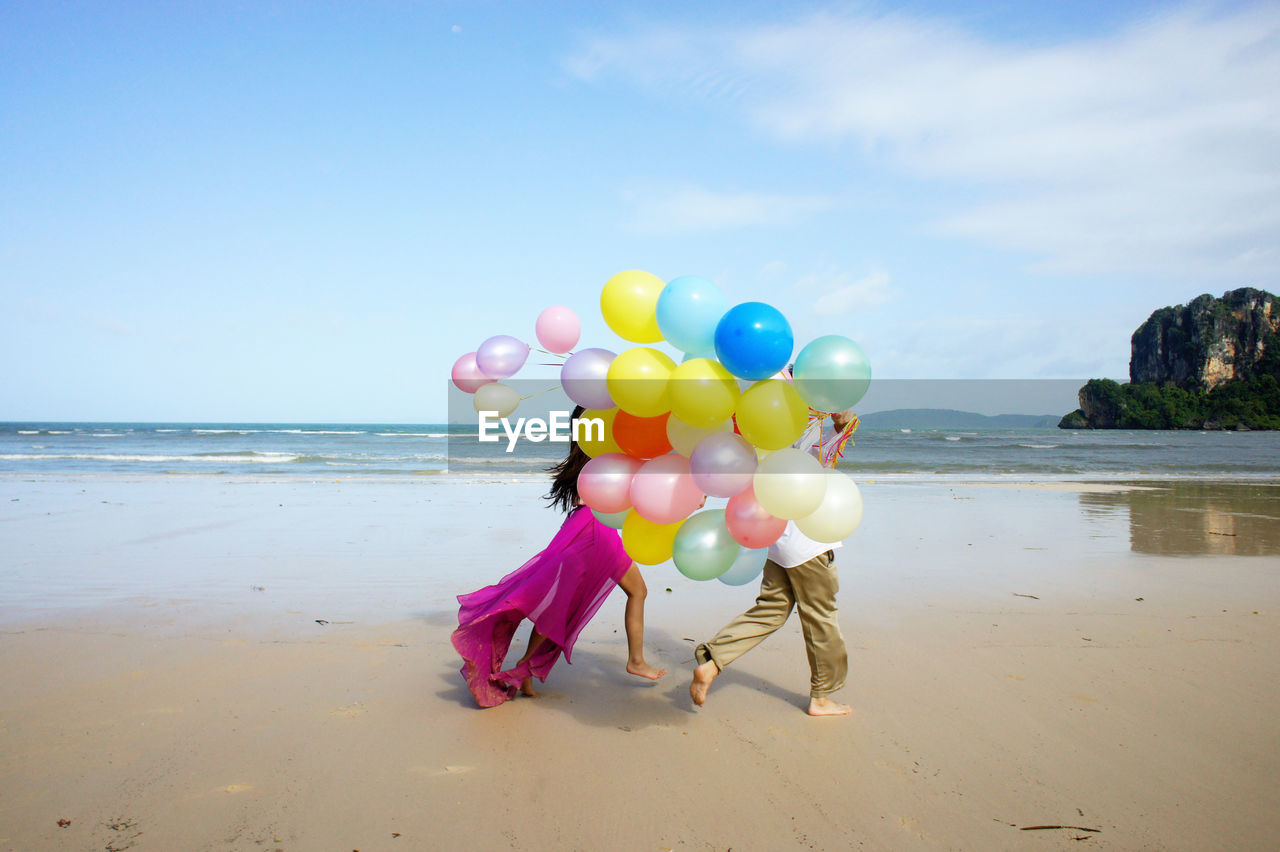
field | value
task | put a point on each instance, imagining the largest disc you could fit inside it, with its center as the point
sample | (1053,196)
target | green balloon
(703,548)
(832,373)
(611,519)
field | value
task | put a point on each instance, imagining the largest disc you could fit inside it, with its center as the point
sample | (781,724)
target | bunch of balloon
(723,423)
(480,373)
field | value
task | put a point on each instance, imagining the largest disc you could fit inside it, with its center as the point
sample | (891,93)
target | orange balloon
(641,437)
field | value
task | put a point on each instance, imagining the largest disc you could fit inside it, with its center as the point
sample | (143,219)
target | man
(799,572)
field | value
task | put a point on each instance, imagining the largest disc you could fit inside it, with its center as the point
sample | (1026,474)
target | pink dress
(560,589)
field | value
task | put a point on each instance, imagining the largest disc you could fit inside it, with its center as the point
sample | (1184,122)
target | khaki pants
(810,586)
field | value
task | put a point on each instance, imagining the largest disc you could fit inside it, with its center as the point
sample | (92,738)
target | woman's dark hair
(564,476)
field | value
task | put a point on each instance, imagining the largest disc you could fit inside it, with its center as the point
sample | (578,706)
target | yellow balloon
(637,380)
(646,542)
(703,392)
(591,442)
(684,438)
(629,302)
(772,414)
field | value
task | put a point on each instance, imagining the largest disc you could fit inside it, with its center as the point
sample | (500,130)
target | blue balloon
(688,309)
(747,567)
(754,341)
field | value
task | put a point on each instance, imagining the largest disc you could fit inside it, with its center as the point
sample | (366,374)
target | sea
(331,450)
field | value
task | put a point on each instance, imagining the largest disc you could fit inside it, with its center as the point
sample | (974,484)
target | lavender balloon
(501,356)
(723,464)
(583,378)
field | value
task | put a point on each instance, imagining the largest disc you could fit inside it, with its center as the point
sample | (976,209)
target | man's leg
(815,584)
(772,607)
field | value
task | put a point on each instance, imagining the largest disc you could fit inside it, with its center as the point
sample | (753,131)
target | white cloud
(1003,346)
(837,295)
(687,209)
(1154,149)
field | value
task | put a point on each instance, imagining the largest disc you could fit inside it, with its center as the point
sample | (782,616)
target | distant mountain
(949,418)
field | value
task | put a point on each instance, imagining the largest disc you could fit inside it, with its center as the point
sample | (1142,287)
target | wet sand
(251,664)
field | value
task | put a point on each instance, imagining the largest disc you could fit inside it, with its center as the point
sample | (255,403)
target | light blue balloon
(703,549)
(689,308)
(832,373)
(747,567)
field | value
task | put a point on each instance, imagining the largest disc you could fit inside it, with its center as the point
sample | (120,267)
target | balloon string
(564,355)
(829,453)
(540,393)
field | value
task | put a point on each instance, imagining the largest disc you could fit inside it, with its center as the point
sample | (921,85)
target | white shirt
(794,547)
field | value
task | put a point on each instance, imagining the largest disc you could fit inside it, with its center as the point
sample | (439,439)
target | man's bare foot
(827,707)
(643,669)
(702,677)
(526,687)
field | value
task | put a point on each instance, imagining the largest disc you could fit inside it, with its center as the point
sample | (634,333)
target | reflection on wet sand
(1196,518)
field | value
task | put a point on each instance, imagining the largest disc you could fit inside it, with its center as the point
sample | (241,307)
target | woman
(559,590)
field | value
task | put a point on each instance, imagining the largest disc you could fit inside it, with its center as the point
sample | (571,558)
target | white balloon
(789,483)
(498,397)
(839,513)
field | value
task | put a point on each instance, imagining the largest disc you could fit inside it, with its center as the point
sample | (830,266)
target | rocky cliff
(1209,364)
(1206,342)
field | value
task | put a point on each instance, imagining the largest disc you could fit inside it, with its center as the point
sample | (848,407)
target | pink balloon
(722,464)
(604,483)
(558,329)
(467,374)
(663,491)
(750,525)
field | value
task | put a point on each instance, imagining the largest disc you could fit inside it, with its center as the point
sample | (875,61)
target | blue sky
(307,211)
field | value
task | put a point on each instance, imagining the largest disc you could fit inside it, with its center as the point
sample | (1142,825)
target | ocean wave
(1039,446)
(233,458)
(498,461)
(313,432)
(220,431)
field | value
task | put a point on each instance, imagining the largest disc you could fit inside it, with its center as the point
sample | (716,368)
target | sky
(306,212)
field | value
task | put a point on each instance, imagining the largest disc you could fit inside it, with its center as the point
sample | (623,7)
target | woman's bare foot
(702,677)
(643,669)
(827,707)
(526,687)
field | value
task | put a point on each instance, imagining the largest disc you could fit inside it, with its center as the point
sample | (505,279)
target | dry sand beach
(220,663)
